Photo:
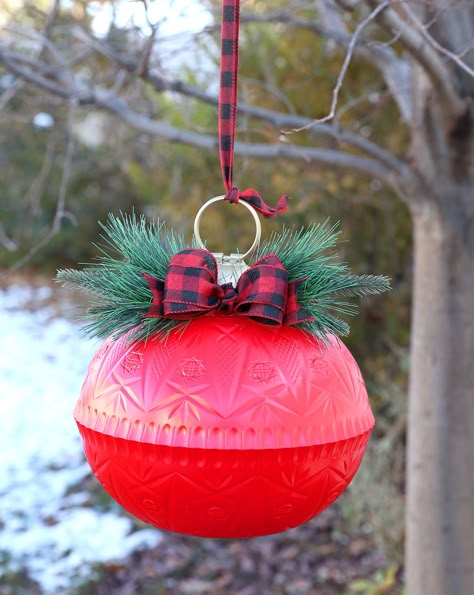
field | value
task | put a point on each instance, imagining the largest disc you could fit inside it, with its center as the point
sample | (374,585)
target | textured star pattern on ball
(132,361)
(261,371)
(224,381)
(191,368)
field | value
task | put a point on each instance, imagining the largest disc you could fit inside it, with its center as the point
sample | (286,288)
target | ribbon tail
(253,198)
(157,289)
(295,314)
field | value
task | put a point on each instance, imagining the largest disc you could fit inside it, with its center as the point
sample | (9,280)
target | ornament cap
(231,267)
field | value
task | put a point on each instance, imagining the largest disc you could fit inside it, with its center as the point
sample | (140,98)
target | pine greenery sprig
(122,296)
(121,293)
(304,254)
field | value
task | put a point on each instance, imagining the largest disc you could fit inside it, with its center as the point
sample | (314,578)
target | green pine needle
(132,246)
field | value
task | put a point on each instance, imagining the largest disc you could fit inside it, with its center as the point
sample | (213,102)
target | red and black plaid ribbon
(190,289)
(229,68)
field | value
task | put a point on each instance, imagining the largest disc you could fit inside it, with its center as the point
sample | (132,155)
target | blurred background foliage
(115,168)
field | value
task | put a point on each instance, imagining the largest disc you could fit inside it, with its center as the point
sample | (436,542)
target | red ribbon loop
(229,68)
(190,289)
(227,117)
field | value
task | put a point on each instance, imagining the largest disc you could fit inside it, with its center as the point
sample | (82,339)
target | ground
(319,558)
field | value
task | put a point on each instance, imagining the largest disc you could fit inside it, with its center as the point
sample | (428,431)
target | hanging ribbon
(227,118)
(190,289)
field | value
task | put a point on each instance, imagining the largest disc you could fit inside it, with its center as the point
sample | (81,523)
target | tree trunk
(440,501)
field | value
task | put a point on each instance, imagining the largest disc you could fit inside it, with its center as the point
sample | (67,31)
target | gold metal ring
(258,226)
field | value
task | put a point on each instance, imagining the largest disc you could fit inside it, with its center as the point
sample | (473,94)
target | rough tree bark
(440,483)
(440,503)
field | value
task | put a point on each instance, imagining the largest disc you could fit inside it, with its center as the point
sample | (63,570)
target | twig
(367,97)
(44,43)
(119,82)
(7,242)
(270,89)
(35,192)
(51,18)
(62,194)
(342,73)
(394,68)
(66,167)
(9,59)
(10,93)
(456,58)
(424,54)
(144,64)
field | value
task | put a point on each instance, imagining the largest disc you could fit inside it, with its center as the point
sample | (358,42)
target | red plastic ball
(229,428)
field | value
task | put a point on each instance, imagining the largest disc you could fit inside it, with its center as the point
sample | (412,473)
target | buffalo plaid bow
(190,289)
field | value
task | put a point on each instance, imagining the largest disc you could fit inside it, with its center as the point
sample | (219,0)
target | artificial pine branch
(123,297)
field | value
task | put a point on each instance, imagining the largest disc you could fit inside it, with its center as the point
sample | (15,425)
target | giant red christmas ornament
(249,417)
(229,428)
(222,404)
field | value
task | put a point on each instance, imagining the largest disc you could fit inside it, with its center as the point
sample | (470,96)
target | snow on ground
(55,536)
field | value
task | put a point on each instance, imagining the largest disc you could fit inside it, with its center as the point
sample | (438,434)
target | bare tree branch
(269,89)
(51,18)
(456,58)
(424,54)
(6,241)
(258,151)
(145,61)
(62,194)
(10,62)
(113,104)
(34,194)
(45,45)
(280,120)
(10,93)
(345,65)
(394,69)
